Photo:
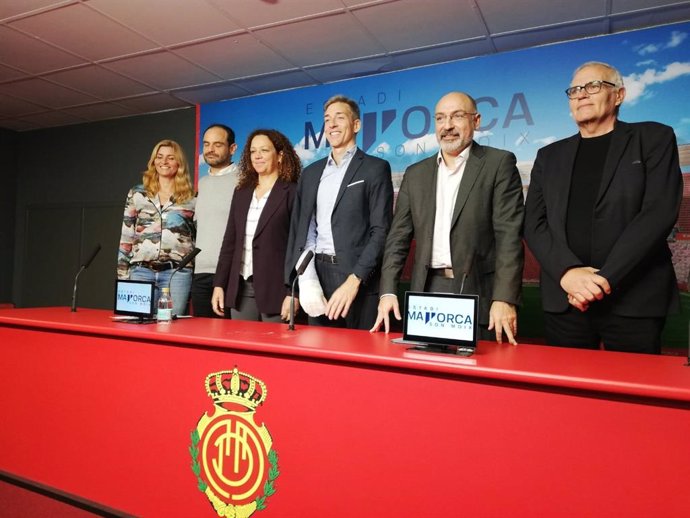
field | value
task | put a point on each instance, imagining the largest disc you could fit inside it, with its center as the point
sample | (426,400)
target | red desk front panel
(105,411)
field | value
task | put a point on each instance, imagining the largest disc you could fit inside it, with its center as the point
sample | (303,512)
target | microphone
(183,262)
(466,269)
(187,259)
(84,266)
(300,270)
(305,262)
(93,255)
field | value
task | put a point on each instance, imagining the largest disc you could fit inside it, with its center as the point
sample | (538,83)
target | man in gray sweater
(212,210)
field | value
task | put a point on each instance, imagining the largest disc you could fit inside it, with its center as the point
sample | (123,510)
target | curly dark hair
(290,164)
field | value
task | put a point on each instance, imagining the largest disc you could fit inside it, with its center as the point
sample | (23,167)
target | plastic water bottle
(165,307)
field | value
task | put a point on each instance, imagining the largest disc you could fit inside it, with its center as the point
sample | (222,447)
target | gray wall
(71,184)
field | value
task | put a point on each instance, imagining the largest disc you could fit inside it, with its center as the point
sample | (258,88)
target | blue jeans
(179,287)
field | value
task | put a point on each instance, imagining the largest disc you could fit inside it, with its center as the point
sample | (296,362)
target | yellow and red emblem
(232,457)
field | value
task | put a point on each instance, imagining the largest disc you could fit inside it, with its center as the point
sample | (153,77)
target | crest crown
(236,387)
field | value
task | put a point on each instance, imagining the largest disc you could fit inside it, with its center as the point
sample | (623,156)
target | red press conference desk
(358,426)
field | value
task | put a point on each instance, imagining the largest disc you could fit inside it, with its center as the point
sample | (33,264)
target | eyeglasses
(591,88)
(456,117)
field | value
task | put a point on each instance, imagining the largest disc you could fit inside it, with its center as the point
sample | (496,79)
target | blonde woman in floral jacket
(158,227)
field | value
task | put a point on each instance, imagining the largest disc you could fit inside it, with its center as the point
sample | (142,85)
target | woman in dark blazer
(249,284)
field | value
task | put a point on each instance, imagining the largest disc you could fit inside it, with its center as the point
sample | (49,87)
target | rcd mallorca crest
(232,457)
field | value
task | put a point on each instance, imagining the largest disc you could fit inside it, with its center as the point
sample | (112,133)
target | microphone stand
(74,290)
(84,266)
(291,325)
(300,270)
(462,282)
(183,262)
(466,270)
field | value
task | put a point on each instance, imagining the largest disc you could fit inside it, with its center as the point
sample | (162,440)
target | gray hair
(613,71)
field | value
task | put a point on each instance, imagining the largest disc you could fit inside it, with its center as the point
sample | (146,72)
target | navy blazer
(268,247)
(636,207)
(360,220)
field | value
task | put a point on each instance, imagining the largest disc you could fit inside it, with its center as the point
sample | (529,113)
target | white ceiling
(72,61)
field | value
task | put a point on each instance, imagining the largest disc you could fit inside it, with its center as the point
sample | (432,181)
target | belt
(442,272)
(157,267)
(326,258)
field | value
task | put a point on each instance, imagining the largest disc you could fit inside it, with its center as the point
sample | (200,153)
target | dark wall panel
(51,253)
(100,224)
(71,185)
(8,187)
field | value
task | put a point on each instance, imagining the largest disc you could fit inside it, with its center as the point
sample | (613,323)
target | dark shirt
(584,188)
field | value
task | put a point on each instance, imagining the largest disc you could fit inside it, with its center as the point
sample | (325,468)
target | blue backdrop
(520,97)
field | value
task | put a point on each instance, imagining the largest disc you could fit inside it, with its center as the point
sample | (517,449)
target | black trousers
(246,305)
(599,328)
(202,291)
(362,313)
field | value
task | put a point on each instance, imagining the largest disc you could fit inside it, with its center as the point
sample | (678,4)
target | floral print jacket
(151,233)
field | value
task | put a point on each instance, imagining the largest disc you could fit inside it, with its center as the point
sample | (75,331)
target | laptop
(440,322)
(134,301)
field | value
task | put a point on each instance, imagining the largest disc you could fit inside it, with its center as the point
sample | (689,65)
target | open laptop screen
(134,298)
(440,319)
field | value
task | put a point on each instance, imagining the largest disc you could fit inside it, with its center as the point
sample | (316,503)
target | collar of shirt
(459,160)
(226,170)
(344,161)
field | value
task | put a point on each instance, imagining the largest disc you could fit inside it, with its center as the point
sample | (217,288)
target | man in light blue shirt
(342,213)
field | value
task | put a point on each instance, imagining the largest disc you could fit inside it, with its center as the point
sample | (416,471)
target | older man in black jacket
(599,209)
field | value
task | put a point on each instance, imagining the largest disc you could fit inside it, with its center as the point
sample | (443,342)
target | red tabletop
(665,377)
(106,411)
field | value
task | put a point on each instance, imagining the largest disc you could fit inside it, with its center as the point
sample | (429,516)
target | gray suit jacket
(486,233)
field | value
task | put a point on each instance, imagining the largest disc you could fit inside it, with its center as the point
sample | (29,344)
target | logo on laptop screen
(435,316)
(443,318)
(132,296)
(232,457)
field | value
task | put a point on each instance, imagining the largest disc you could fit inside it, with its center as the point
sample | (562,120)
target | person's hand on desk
(503,317)
(218,301)
(387,303)
(285,309)
(341,300)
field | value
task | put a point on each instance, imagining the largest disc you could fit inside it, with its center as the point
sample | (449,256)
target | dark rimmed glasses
(593,87)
